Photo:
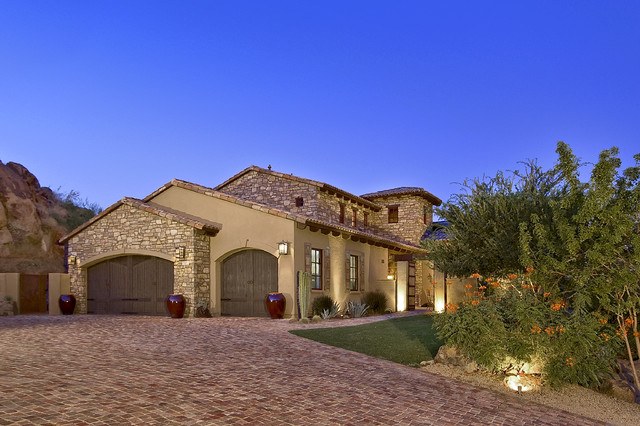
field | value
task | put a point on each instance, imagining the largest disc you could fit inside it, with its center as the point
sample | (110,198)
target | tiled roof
(208,226)
(404,190)
(320,185)
(380,239)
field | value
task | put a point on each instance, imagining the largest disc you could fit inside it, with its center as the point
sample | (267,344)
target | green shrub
(376,300)
(477,331)
(320,304)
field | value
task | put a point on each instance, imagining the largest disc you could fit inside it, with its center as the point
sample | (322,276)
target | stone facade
(129,230)
(280,191)
(411,224)
(275,191)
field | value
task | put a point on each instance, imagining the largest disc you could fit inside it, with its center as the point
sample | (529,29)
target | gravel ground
(572,398)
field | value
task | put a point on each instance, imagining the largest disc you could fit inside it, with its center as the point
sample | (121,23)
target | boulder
(449,355)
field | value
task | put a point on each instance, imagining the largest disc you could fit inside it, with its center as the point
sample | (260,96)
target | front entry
(247,277)
(129,285)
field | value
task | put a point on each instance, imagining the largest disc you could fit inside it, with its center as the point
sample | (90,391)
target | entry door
(247,277)
(411,287)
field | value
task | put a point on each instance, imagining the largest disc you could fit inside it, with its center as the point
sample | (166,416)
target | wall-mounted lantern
(283,247)
(72,259)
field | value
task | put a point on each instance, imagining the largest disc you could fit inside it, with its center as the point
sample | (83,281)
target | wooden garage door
(247,277)
(136,285)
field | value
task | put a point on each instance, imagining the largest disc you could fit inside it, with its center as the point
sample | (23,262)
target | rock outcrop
(31,221)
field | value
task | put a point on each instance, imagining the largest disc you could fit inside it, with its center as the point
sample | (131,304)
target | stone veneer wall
(410,225)
(275,191)
(423,283)
(281,192)
(128,228)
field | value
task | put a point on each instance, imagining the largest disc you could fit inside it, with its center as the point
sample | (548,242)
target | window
(425,214)
(341,213)
(366,218)
(354,218)
(393,214)
(316,269)
(353,273)
(299,201)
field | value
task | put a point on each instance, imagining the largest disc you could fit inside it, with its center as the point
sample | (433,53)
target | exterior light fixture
(72,259)
(519,383)
(390,277)
(283,247)
(181,252)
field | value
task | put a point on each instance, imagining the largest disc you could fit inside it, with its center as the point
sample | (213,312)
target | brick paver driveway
(144,370)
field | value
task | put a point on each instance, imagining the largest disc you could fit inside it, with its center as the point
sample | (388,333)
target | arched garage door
(129,285)
(247,277)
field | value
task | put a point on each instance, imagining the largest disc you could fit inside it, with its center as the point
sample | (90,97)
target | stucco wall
(375,264)
(128,230)
(242,228)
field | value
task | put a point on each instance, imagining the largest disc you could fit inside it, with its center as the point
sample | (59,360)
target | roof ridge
(319,184)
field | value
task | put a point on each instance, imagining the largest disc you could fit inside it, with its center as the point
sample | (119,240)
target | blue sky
(115,98)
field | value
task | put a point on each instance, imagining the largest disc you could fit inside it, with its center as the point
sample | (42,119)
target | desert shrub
(376,300)
(356,309)
(331,313)
(321,303)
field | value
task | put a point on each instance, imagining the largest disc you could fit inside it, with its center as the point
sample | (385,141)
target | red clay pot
(67,304)
(176,305)
(275,304)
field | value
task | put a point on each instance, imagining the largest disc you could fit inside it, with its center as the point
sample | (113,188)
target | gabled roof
(404,190)
(211,228)
(332,190)
(377,239)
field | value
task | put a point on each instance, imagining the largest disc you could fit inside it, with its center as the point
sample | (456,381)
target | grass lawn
(408,340)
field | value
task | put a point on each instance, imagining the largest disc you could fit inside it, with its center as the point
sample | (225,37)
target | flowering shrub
(519,322)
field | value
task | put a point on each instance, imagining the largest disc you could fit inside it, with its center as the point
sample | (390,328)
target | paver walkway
(149,370)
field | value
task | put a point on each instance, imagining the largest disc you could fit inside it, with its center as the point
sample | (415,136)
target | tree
(573,249)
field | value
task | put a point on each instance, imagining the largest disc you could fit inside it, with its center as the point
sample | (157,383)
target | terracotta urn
(176,305)
(67,304)
(275,304)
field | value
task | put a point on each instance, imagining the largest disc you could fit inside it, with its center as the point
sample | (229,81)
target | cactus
(304,290)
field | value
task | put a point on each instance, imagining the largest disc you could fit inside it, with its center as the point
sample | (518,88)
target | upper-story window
(365,219)
(425,214)
(341,219)
(353,272)
(393,214)
(316,269)
(299,201)
(354,218)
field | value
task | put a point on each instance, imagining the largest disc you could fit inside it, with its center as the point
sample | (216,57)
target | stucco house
(227,247)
